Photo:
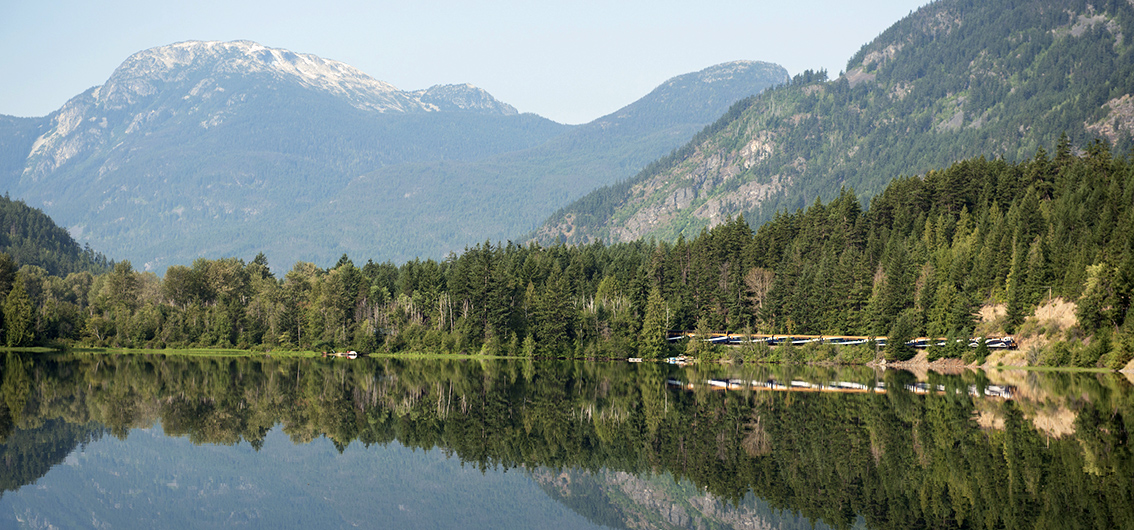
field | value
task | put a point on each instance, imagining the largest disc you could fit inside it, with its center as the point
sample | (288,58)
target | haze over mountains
(432,208)
(233,148)
(956,79)
(229,149)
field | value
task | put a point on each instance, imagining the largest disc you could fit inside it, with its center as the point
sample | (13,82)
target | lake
(145,441)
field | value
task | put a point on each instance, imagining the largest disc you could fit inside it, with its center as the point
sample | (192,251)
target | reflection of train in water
(921,343)
(350,354)
(846,387)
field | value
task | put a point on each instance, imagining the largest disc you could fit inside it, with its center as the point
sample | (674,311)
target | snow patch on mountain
(204,63)
(181,79)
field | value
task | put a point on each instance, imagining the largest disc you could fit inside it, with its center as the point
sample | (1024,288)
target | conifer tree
(554,314)
(901,332)
(1017,299)
(652,341)
(894,290)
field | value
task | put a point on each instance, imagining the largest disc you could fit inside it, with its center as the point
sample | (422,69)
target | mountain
(234,148)
(431,209)
(197,148)
(956,79)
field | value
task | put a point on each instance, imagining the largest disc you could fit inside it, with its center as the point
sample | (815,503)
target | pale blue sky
(571,61)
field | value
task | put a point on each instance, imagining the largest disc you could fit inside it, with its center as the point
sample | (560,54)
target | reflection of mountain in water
(894,460)
(31,444)
(150,480)
(623,500)
(28,454)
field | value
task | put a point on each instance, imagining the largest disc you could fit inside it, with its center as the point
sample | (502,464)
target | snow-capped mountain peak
(203,62)
(210,83)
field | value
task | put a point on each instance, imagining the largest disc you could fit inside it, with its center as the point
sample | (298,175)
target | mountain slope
(433,208)
(200,148)
(956,79)
(29,237)
(17,135)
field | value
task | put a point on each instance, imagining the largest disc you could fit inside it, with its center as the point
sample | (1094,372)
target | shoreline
(919,363)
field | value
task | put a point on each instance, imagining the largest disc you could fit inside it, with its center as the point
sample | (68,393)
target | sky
(570,61)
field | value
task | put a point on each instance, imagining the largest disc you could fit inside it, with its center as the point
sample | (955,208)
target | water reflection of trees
(900,460)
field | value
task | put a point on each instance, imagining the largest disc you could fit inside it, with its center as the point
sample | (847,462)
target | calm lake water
(177,442)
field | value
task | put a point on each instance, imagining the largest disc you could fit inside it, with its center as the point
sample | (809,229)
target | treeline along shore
(922,260)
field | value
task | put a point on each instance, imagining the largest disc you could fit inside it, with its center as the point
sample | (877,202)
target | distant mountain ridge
(955,79)
(516,190)
(233,148)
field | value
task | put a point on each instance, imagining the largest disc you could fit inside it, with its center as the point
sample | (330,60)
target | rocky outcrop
(463,98)
(1119,120)
(695,184)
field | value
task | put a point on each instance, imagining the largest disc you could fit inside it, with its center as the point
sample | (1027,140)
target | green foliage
(652,342)
(902,332)
(955,347)
(18,316)
(977,355)
(1120,354)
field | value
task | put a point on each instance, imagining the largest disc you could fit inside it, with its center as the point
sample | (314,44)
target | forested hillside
(30,237)
(920,261)
(954,80)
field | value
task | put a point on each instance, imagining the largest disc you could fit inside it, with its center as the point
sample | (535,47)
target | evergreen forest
(920,261)
(28,236)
